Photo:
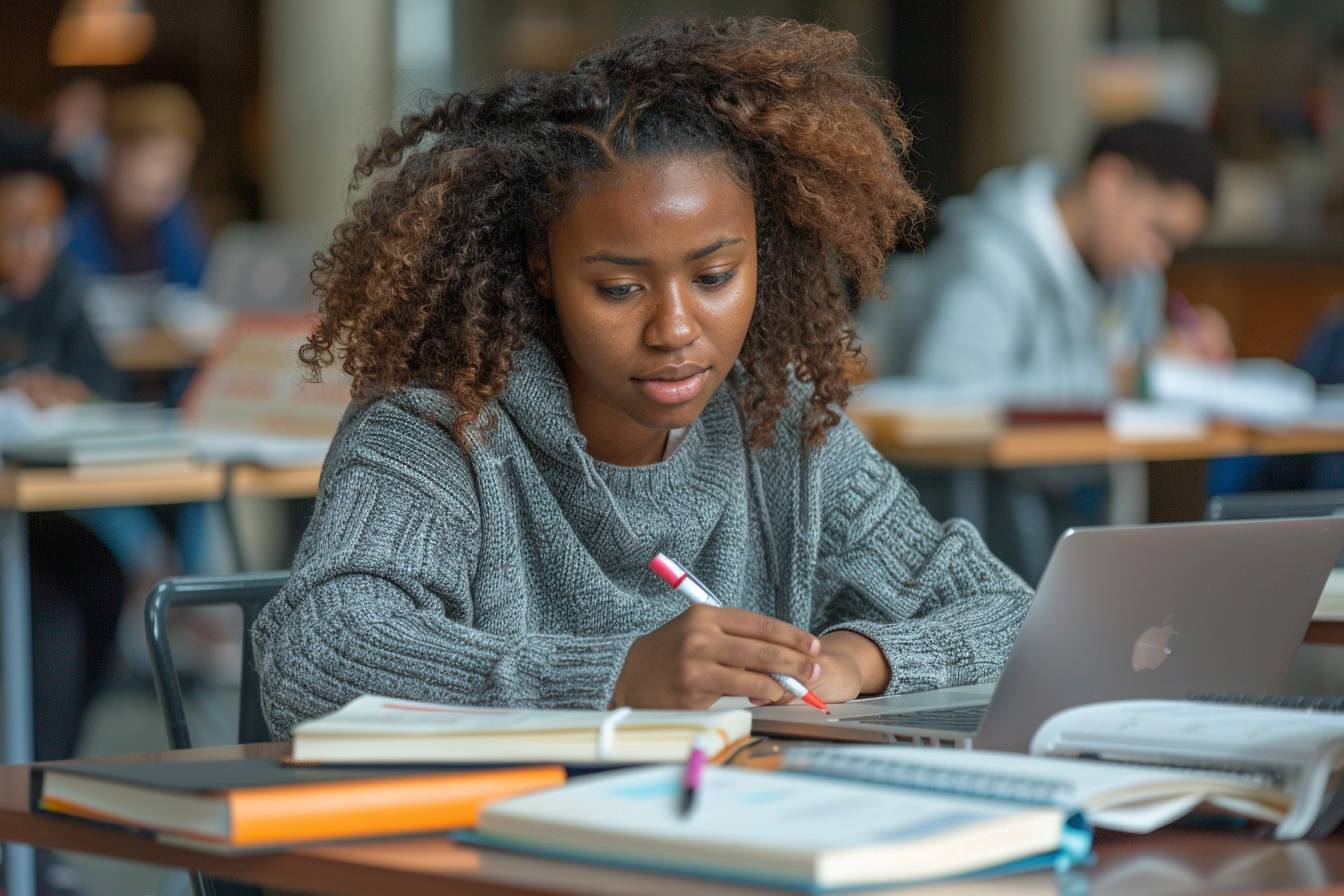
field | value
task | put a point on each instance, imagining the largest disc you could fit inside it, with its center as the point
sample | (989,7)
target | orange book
(255,803)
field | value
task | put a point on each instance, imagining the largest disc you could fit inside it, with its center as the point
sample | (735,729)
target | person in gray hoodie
(1043,287)
(604,314)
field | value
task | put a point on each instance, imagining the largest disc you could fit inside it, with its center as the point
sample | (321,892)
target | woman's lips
(674,391)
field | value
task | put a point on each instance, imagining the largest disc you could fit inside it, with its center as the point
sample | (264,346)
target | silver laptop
(1121,613)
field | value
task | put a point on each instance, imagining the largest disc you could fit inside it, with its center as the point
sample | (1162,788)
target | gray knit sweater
(516,574)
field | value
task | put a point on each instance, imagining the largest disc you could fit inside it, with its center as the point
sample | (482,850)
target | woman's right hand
(712,652)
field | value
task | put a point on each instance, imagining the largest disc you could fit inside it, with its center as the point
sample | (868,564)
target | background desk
(1063,444)
(254,481)
(152,349)
(24,491)
(1068,444)
(1172,861)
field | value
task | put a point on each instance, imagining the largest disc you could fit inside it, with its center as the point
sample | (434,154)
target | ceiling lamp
(101,32)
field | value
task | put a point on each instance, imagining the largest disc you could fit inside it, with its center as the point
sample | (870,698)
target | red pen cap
(667,569)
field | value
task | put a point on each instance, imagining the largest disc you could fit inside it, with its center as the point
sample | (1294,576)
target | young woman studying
(600,315)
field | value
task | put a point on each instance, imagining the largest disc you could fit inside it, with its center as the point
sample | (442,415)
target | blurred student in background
(1051,287)
(142,220)
(48,353)
(136,233)
(1045,288)
(77,118)
(47,348)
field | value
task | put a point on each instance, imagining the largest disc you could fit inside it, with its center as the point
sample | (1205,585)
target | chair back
(1271,505)
(249,592)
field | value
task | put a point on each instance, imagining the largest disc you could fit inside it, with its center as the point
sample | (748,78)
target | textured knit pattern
(515,575)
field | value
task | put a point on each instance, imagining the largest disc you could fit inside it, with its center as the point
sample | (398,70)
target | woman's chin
(666,417)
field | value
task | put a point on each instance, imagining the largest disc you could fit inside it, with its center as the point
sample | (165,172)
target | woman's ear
(539,266)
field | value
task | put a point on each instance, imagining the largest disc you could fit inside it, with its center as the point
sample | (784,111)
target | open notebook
(782,830)
(1135,765)
(373,729)
(1294,756)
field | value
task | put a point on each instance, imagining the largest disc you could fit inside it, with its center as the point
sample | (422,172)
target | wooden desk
(253,481)
(152,349)
(24,491)
(1172,861)
(1065,444)
(29,490)
(1052,445)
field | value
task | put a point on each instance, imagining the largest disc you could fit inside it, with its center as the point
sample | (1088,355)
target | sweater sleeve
(974,315)
(380,601)
(943,610)
(980,300)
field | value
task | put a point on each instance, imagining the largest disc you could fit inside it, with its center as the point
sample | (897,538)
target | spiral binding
(843,764)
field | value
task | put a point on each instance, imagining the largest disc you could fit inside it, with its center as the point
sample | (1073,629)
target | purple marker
(692,776)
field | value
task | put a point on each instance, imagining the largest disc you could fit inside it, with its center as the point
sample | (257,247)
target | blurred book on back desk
(98,438)
(252,401)
(1259,391)
(919,413)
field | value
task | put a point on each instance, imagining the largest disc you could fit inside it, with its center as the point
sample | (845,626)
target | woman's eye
(717,278)
(619,291)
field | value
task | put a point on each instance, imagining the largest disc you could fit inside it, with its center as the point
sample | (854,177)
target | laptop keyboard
(957,718)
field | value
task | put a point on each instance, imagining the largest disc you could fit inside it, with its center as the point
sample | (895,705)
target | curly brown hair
(427,282)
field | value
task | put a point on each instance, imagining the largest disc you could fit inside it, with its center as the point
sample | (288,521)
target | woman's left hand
(46,389)
(850,665)
(1204,336)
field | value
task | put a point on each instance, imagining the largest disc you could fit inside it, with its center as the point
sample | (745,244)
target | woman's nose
(673,324)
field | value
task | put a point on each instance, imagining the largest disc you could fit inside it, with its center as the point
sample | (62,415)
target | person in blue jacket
(142,220)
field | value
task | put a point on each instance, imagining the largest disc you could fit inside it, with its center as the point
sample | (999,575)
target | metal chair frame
(249,592)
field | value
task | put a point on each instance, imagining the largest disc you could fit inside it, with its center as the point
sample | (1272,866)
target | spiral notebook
(1297,751)
(1121,797)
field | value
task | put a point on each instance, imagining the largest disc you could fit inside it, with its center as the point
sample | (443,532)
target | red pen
(681,580)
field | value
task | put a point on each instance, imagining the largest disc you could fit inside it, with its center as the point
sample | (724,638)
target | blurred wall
(210,47)
(1024,94)
(327,71)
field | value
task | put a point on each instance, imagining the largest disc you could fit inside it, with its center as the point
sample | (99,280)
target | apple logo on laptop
(1151,650)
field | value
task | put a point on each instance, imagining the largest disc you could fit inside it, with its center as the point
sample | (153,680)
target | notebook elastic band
(606,732)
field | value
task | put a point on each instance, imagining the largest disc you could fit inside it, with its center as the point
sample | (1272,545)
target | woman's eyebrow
(631,261)
(713,247)
(617,259)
